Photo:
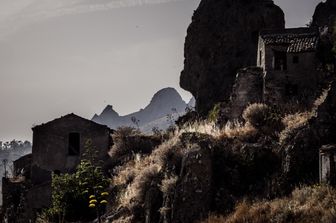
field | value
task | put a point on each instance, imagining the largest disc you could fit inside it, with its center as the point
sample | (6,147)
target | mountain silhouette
(164,108)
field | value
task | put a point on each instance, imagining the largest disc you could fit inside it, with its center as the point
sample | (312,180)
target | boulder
(324,14)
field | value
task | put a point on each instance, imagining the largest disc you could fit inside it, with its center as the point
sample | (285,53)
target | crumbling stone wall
(248,89)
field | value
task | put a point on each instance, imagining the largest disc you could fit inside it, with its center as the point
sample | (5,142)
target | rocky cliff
(221,39)
(324,13)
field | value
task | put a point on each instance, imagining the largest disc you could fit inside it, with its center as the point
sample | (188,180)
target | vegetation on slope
(306,204)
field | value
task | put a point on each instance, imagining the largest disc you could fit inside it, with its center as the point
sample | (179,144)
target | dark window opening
(255,36)
(260,57)
(280,60)
(295,59)
(74,144)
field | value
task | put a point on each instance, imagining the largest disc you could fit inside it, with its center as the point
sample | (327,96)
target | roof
(293,40)
(328,148)
(23,158)
(71,116)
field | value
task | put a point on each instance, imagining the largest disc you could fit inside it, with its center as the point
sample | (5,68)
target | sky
(64,56)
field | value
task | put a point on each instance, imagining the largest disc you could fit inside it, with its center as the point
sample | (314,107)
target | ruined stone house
(287,71)
(58,147)
(289,61)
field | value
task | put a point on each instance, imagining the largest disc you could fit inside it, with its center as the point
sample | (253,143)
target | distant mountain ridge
(165,107)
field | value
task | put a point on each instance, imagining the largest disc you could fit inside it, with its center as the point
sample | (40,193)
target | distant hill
(165,107)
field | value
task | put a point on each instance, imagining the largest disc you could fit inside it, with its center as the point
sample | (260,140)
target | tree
(80,196)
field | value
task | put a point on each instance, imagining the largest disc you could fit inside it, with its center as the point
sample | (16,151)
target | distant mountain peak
(165,101)
(164,95)
(109,111)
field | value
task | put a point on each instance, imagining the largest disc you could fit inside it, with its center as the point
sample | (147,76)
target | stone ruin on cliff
(287,71)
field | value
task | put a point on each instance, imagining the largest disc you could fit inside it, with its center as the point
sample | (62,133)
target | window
(280,60)
(295,59)
(74,144)
(260,57)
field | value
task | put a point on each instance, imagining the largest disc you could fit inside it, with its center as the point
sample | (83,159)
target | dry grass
(319,101)
(136,191)
(236,129)
(121,143)
(139,174)
(125,174)
(232,129)
(292,122)
(169,152)
(202,127)
(168,184)
(295,120)
(306,205)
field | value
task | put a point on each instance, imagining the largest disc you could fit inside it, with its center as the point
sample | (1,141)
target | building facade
(58,147)
(289,60)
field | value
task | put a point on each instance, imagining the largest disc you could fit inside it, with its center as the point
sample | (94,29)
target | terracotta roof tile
(293,40)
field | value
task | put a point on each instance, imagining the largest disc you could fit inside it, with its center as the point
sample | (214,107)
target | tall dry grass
(312,204)
(292,122)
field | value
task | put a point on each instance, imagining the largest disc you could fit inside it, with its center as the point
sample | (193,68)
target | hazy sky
(63,56)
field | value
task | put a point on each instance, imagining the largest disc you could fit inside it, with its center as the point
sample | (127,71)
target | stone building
(58,147)
(288,58)
(286,71)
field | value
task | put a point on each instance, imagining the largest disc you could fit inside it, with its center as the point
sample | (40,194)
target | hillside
(259,147)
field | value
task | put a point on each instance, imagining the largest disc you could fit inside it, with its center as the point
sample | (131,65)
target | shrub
(214,113)
(71,192)
(121,142)
(128,141)
(256,114)
(263,117)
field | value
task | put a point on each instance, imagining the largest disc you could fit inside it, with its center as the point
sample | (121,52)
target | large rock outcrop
(325,13)
(221,39)
(193,192)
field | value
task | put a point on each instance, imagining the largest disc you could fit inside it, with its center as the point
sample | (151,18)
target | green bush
(214,113)
(72,194)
